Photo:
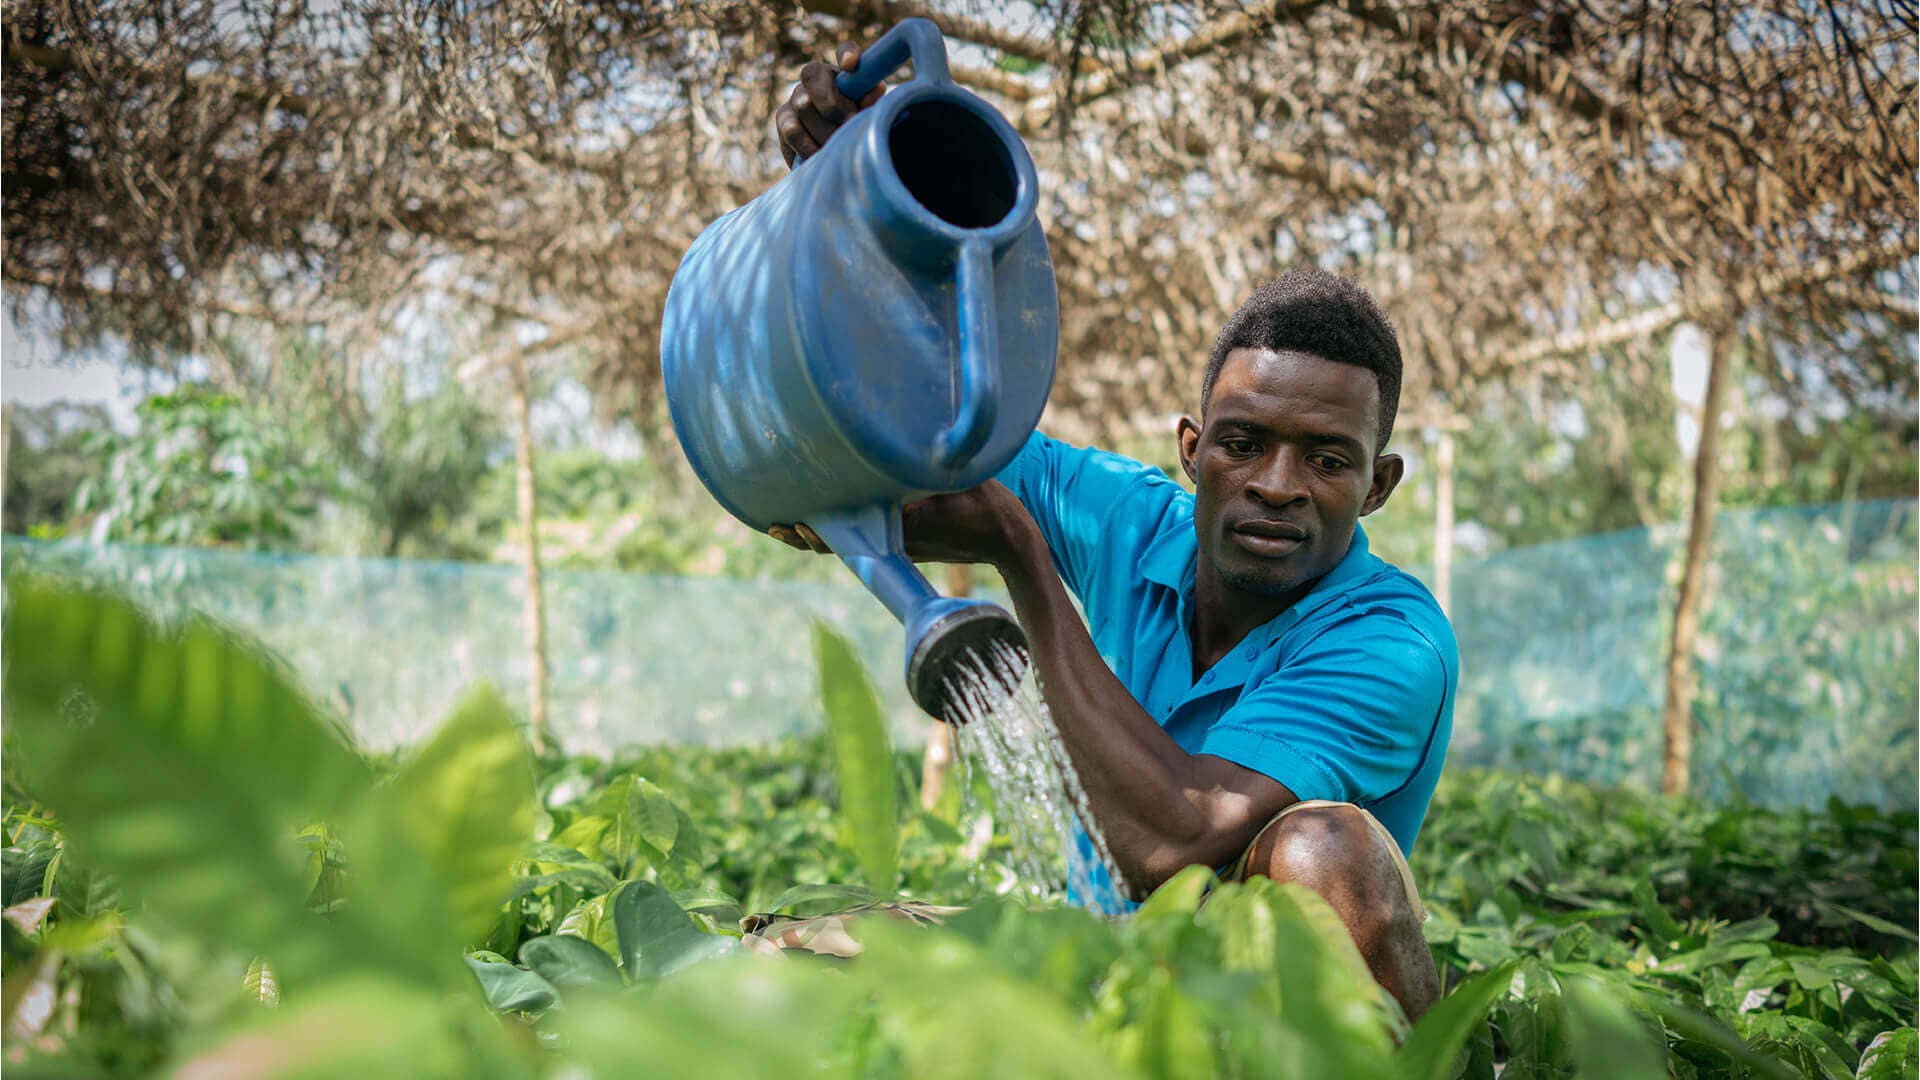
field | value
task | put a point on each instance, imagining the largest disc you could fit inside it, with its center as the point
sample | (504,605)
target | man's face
(1284,463)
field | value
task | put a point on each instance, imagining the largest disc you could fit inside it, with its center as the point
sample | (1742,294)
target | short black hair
(1311,311)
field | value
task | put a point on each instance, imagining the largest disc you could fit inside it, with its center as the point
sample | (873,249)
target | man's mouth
(1269,539)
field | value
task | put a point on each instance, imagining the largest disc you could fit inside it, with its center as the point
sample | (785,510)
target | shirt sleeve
(1352,718)
(1095,509)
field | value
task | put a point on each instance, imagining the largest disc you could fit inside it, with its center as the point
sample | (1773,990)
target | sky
(34,371)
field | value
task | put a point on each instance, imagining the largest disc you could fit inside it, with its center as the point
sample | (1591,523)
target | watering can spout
(950,641)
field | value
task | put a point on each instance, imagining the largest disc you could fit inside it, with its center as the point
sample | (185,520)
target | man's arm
(1159,807)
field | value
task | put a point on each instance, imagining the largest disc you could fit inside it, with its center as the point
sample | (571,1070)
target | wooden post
(536,609)
(1677,718)
(1443,519)
(6,439)
(937,760)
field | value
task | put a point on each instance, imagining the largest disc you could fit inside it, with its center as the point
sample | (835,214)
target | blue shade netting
(1806,660)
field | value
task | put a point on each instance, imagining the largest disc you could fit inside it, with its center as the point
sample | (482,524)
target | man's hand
(979,525)
(817,108)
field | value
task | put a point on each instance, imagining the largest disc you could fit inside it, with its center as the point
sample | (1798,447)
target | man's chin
(1258,582)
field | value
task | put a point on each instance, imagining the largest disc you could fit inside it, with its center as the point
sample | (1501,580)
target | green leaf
(819,899)
(592,920)
(356,1026)
(863,759)
(1177,898)
(764,1019)
(1437,1038)
(1872,922)
(513,989)
(656,937)
(1666,931)
(653,815)
(1606,1038)
(1699,1027)
(1891,1055)
(593,879)
(260,983)
(182,762)
(466,800)
(567,962)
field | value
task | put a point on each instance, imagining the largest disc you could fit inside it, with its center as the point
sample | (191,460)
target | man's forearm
(1141,786)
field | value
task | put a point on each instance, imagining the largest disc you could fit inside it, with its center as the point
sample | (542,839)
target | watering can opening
(953,163)
(963,648)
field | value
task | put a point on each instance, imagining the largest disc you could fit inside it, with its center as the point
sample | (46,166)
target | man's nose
(1280,479)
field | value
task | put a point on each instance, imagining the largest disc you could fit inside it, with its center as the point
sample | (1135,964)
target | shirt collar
(1169,560)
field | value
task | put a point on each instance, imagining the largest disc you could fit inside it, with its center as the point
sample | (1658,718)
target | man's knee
(1334,851)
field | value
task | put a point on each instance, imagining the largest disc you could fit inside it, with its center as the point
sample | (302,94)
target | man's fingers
(873,95)
(828,101)
(847,56)
(807,109)
(800,537)
(794,136)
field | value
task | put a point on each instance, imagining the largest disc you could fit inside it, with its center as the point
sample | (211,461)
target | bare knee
(1333,851)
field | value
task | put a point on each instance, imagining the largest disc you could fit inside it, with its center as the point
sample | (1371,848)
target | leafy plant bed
(200,876)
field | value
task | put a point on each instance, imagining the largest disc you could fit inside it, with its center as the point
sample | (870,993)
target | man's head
(1297,406)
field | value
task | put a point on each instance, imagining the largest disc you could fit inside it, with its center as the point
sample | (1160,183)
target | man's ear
(1387,471)
(1189,438)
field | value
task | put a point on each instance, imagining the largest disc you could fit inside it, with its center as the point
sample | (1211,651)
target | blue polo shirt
(1347,695)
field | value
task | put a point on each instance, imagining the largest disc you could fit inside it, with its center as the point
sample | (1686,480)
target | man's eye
(1330,464)
(1243,447)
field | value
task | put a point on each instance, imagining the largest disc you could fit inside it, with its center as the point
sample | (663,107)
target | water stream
(1037,792)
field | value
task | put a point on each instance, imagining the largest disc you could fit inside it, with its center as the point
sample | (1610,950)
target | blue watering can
(877,327)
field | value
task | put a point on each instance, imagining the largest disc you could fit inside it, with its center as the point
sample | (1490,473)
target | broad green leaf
(957,1014)
(747,1019)
(466,801)
(1327,993)
(1892,1055)
(568,962)
(182,762)
(1667,933)
(592,920)
(652,814)
(806,900)
(1178,897)
(357,1026)
(588,879)
(84,891)
(1437,1038)
(513,989)
(656,937)
(1174,1041)
(863,760)
(1607,1038)
(1699,1027)
(1870,921)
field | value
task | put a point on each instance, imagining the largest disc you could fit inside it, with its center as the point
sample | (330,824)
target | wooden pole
(1677,719)
(1443,520)
(536,609)
(937,760)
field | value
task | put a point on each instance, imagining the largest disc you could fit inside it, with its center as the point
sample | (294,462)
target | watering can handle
(915,39)
(979,359)
(919,40)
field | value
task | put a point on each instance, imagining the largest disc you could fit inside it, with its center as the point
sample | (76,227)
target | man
(1251,690)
